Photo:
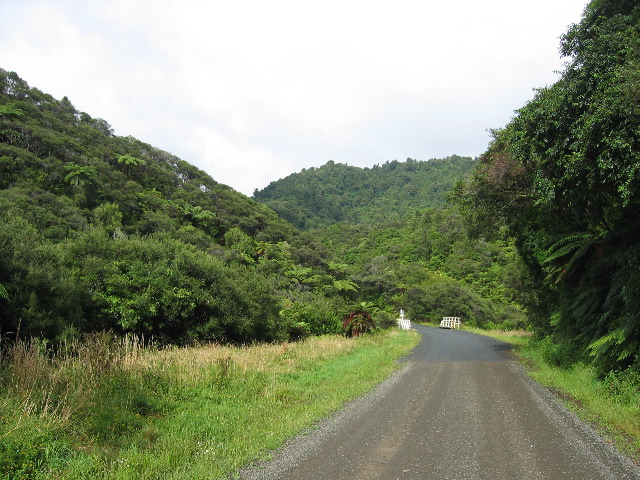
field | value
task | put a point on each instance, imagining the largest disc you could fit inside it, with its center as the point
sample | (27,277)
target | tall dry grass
(108,407)
(58,383)
(187,363)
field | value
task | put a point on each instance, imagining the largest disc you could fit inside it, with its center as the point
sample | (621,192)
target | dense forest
(105,232)
(338,193)
(564,177)
(100,232)
(403,249)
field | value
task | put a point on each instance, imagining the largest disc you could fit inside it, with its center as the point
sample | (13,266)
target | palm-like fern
(565,253)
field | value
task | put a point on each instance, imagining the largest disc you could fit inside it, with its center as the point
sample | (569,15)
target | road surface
(460,409)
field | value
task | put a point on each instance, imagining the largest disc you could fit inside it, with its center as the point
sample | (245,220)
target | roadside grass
(518,338)
(108,408)
(611,404)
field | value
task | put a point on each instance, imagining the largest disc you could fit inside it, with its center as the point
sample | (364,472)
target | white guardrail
(404,323)
(450,322)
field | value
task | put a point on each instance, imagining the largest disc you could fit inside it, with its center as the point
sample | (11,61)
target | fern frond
(576,244)
(568,244)
(606,342)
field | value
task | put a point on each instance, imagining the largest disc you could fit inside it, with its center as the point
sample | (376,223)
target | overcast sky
(253,90)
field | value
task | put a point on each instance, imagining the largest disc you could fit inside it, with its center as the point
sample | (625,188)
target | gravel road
(459,409)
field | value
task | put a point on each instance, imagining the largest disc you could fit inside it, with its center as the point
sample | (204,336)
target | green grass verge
(611,404)
(189,413)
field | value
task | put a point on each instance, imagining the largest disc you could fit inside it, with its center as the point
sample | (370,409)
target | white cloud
(249,165)
(251,91)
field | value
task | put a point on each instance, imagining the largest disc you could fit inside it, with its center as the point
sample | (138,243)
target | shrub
(313,314)
(625,384)
(448,298)
(559,353)
(357,323)
(384,319)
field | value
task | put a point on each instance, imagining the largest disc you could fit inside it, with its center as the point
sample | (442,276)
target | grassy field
(610,403)
(113,409)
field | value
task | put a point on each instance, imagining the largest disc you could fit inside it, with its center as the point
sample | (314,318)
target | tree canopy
(339,193)
(100,232)
(564,175)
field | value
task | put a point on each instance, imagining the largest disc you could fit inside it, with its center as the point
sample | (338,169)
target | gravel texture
(459,409)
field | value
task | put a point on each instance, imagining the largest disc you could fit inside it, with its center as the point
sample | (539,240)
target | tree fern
(614,348)
(576,244)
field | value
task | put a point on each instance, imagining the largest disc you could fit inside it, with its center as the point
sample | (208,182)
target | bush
(313,314)
(448,298)
(384,319)
(625,385)
(357,323)
(559,353)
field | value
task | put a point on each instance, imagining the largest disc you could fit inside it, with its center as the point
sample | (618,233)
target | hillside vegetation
(403,243)
(100,232)
(564,177)
(338,193)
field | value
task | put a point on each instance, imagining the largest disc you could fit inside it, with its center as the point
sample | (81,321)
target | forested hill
(339,193)
(48,145)
(102,232)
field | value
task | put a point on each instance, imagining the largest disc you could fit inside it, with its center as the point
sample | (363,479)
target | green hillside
(338,193)
(49,146)
(402,244)
(100,232)
(564,177)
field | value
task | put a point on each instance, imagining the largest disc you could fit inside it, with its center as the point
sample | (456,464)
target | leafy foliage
(105,232)
(338,193)
(99,232)
(428,266)
(563,175)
